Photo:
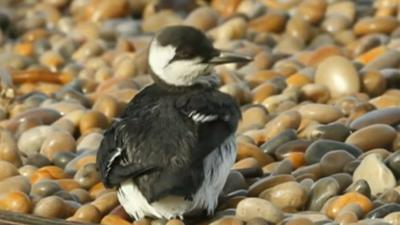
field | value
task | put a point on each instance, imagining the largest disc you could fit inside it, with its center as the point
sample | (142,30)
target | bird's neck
(212,83)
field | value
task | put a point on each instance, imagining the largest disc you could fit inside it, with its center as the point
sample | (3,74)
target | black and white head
(183,56)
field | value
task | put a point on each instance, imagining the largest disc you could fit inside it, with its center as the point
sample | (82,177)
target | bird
(171,149)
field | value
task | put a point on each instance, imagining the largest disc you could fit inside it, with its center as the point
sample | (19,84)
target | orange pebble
(38,176)
(298,80)
(40,75)
(24,48)
(114,220)
(263,91)
(296,158)
(96,190)
(348,198)
(371,54)
(54,171)
(321,54)
(68,184)
(16,201)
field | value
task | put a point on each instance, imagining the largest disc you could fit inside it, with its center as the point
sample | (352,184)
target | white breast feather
(216,170)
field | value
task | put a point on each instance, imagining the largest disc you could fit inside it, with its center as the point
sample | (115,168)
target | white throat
(178,72)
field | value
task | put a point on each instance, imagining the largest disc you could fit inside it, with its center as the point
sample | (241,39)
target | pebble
(376,173)
(334,161)
(203,18)
(289,196)
(16,201)
(91,120)
(7,170)
(383,210)
(337,204)
(15,183)
(267,182)
(57,142)
(320,112)
(361,186)
(341,80)
(389,116)
(319,148)
(45,188)
(393,163)
(52,207)
(321,191)
(373,136)
(8,148)
(86,213)
(375,25)
(31,140)
(255,207)
(392,218)
(272,145)
(87,176)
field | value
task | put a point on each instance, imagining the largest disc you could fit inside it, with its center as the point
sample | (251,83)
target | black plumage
(161,147)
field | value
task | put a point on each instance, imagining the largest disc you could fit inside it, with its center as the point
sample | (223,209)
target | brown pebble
(57,142)
(299,221)
(114,220)
(87,213)
(107,105)
(106,202)
(87,176)
(352,197)
(7,170)
(8,148)
(253,117)
(320,112)
(375,25)
(15,183)
(248,150)
(92,119)
(52,207)
(271,22)
(245,163)
(312,10)
(373,136)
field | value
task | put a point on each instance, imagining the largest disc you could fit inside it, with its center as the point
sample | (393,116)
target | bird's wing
(216,116)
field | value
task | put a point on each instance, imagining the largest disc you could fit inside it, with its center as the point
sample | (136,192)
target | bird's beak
(229,57)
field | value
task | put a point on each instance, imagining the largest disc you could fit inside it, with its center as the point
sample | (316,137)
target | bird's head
(184,56)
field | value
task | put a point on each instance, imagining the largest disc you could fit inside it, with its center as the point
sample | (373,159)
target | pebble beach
(319,139)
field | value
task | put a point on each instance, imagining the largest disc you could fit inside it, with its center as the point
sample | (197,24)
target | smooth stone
(16,201)
(345,8)
(334,161)
(7,170)
(315,93)
(283,167)
(387,60)
(31,140)
(272,145)
(91,120)
(298,145)
(389,116)
(114,220)
(250,208)
(284,121)
(319,148)
(85,157)
(202,18)
(334,207)
(82,195)
(8,148)
(159,20)
(383,210)
(312,10)
(312,171)
(106,202)
(61,159)
(52,207)
(58,142)
(267,182)
(373,136)
(44,188)
(393,218)
(343,179)
(298,221)
(321,191)
(234,182)
(393,163)
(320,112)
(46,116)
(245,150)
(351,166)
(86,213)
(335,24)
(246,163)
(389,196)
(315,217)
(228,220)
(332,131)
(289,196)
(107,105)
(379,152)
(90,142)
(15,183)
(360,186)
(297,27)
(87,176)
(254,116)
(376,173)
(375,25)
(270,22)
(373,83)
(339,75)
(258,221)
(37,160)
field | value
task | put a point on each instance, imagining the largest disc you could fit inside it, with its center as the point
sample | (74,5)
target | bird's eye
(184,53)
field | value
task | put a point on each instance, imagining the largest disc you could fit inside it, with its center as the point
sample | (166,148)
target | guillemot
(172,148)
